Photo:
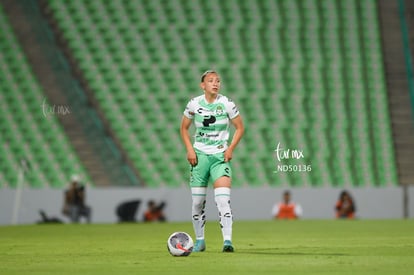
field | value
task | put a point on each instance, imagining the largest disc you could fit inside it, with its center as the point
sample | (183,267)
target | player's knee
(223,203)
(223,182)
(198,204)
(222,197)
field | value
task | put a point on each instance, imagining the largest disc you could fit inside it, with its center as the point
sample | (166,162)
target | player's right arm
(185,136)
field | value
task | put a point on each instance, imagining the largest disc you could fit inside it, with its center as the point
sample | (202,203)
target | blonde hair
(206,73)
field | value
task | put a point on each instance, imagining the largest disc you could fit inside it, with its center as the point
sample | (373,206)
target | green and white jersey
(212,122)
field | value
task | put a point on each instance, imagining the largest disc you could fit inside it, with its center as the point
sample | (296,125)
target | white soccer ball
(180,244)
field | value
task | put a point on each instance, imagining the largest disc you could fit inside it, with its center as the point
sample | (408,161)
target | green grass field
(262,247)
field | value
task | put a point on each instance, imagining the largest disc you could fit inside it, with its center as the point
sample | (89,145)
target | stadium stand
(307,74)
(310,78)
(30,132)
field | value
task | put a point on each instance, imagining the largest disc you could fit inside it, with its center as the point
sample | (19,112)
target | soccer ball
(180,244)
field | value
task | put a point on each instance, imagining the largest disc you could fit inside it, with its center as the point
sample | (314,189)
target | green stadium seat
(306,65)
(28,128)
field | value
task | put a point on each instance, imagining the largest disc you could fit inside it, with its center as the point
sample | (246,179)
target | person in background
(154,212)
(74,205)
(345,206)
(287,209)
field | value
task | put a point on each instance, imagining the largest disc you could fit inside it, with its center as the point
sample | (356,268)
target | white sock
(198,195)
(222,198)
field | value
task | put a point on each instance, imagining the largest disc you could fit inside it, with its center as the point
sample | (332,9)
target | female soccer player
(210,154)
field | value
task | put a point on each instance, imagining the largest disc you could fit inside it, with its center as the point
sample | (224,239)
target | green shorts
(209,167)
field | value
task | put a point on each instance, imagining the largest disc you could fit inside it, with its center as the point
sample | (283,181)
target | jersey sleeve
(232,110)
(189,109)
(275,210)
(298,210)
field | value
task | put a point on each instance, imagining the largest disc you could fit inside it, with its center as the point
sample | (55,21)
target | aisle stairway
(397,86)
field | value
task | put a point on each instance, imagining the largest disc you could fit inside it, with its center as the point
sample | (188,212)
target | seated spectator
(345,206)
(74,202)
(154,212)
(287,209)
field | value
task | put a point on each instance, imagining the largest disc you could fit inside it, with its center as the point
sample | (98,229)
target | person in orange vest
(287,209)
(345,206)
(154,212)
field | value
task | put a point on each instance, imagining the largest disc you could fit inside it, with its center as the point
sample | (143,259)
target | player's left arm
(238,134)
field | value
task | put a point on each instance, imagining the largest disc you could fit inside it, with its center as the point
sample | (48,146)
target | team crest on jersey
(219,110)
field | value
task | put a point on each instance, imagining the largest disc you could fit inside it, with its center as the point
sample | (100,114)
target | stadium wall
(248,203)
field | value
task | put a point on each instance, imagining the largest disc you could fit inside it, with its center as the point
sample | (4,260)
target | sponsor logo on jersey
(201,134)
(201,110)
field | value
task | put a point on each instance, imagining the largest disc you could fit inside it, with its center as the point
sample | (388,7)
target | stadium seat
(300,71)
(31,130)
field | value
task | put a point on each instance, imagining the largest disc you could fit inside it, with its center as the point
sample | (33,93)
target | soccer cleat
(228,246)
(199,246)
